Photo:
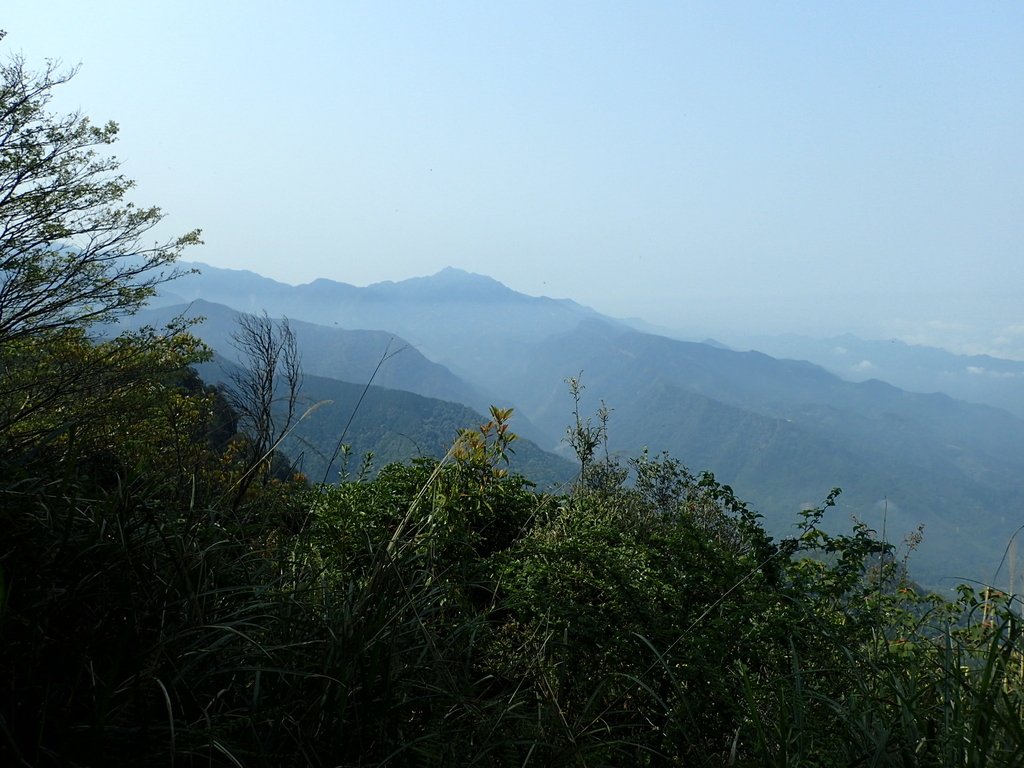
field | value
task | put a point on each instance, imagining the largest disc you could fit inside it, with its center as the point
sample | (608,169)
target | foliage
(70,245)
(63,390)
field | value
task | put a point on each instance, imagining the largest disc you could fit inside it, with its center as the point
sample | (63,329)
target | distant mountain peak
(462,277)
(449,284)
(457,271)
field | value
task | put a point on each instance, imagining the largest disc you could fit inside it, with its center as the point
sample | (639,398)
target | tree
(72,258)
(264,392)
(68,390)
(71,250)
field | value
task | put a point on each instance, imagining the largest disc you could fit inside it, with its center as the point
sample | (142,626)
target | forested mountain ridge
(348,355)
(388,426)
(413,407)
(782,432)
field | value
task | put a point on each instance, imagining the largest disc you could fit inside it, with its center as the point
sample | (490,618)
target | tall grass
(139,633)
(949,694)
(443,616)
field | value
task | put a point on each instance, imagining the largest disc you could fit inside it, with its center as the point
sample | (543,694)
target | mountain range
(782,432)
(976,378)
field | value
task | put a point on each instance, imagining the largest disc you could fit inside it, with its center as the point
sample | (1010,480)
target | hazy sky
(715,167)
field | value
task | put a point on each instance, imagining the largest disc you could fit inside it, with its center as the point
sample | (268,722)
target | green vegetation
(170,593)
(444,613)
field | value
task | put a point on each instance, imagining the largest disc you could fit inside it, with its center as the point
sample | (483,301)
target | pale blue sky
(716,167)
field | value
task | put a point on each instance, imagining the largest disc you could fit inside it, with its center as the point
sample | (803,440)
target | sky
(717,168)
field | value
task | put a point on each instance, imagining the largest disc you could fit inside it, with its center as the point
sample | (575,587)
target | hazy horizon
(740,337)
(733,168)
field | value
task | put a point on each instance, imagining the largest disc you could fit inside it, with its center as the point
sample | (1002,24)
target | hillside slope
(393,425)
(354,356)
